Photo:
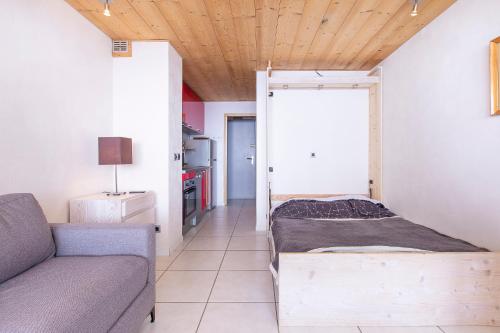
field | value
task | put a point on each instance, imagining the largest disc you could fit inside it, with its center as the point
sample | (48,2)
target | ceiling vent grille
(122,48)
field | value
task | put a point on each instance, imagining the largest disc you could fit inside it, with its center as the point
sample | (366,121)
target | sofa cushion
(25,236)
(71,294)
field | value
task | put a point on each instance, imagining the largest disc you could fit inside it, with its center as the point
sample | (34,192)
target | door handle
(251,158)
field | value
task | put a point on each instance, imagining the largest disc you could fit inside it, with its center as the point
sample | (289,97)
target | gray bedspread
(303,235)
(344,209)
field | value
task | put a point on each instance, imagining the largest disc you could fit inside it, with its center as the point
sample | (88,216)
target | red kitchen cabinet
(193,110)
(188,175)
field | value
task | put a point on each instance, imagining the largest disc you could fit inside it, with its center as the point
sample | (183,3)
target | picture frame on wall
(495,76)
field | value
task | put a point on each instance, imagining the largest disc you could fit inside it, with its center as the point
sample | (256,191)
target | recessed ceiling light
(414,11)
(106,11)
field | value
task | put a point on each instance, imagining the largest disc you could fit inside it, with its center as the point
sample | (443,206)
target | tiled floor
(218,281)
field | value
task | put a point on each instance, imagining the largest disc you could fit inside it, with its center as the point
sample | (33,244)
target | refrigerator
(202,152)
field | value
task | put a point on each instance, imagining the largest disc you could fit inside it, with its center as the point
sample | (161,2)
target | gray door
(241,159)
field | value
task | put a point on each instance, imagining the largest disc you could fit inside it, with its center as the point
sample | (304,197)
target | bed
(351,261)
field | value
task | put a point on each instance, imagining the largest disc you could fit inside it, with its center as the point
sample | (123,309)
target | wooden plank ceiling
(223,42)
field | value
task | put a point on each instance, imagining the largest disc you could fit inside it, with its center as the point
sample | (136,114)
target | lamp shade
(115,150)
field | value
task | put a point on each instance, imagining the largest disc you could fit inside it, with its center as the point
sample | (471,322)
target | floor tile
(239,243)
(221,221)
(246,260)
(175,317)
(208,243)
(197,260)
(158,274)
(248,229)
(226,211)
(239,318)
(216,224)
(319,330)
(215,230)
(470,329)
(185,286)
(162,262)
(250,203)
(235,202)
(174,254)
(426,329)
(243,286)
(247,214)
(246,221)
(191,233)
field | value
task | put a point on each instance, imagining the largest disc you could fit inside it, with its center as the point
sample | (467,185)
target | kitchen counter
(188,168)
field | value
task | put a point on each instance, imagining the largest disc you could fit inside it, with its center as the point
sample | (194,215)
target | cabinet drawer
(145,217)
(136,204)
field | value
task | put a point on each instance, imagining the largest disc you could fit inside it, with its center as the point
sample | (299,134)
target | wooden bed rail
(284,197)
(389,289)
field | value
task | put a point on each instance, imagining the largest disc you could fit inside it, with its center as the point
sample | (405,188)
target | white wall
(55,100)
(441,148)
(330,123)
(147,108)
(214,128)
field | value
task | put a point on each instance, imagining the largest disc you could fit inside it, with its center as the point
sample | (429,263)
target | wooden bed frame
(381,289)
(388,288)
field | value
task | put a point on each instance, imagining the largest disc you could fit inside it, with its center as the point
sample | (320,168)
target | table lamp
(115,151)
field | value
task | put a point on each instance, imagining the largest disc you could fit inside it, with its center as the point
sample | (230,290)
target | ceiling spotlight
(414,11)
(106,11)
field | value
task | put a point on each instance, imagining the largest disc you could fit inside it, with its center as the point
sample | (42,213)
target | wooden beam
(323,82)
(375,143)
(284,197)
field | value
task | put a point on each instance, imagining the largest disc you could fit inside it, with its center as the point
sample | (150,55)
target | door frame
(227,117)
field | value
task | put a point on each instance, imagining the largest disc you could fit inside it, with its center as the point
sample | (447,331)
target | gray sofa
(72,278)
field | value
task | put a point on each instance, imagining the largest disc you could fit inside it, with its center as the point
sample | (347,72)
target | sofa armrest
(102,239)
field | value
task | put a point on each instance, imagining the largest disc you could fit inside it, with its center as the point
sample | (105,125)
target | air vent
(122,48)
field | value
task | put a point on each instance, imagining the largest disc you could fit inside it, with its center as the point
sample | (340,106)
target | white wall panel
(330,123)
(147,108)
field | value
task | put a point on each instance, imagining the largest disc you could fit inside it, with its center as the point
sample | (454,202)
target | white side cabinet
(126,208)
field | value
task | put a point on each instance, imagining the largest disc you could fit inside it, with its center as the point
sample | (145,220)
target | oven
(189,204)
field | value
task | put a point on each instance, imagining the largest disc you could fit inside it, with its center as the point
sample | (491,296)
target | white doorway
(240,157)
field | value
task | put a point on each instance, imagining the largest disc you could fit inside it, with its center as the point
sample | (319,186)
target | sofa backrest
(25,236)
